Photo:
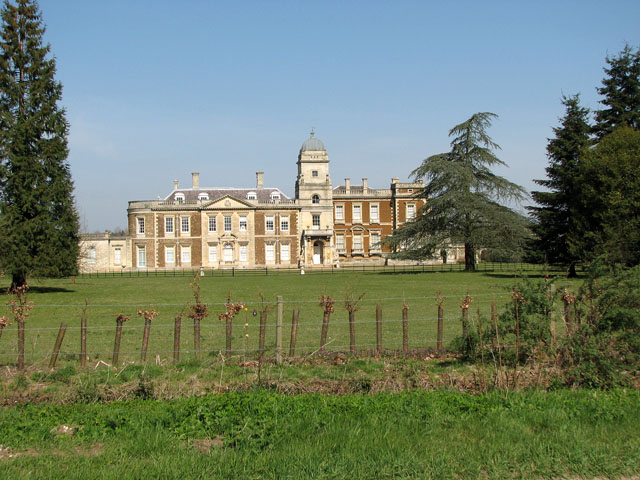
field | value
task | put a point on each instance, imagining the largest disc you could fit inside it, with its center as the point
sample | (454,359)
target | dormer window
(274,196)
(251,196)
(315,199)
(179,197)
(203,196)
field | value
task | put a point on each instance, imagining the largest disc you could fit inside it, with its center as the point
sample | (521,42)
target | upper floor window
(227,223)
(339,212)
(212,223)
(203,196)
(251,196)
(168,225)
(373,210)
(316,222)
(179,197)
(140,225)
(243,223)
(314,173)
(411,211)
(284,224)
(268,224)
(274,196)
(315,199)
(184,224)
(357,213)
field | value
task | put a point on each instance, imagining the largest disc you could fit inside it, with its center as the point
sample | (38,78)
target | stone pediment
(228,202)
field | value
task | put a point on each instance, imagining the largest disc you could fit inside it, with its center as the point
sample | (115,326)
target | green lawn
(62,300)
(562,434)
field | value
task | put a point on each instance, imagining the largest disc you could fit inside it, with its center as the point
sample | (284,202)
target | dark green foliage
(554,217)
(463,200)
(621,92)
(38,220)
(608,218)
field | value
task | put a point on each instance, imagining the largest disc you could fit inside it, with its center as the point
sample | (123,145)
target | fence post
(294,333)
(379,328)
(263,327)
(352,332)
(176,338)
(405,329)
(145,340)
(196,337)
(116,347)
(56,347)
(229,321)
(20,344)
(279,330)
(83,336)
(440,327)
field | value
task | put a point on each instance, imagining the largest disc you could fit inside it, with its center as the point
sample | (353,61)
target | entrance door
(317,253)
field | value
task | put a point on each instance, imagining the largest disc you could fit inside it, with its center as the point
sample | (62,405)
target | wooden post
(325,329)
(440,327)
(56,347)
(116,346)
(176,338)
(405,329)
(145,340)
(20,344)
(294,333)
(263,327)
(229,322)
(352,332)
(379,328)
(196,337)
(279,330)
(83,336)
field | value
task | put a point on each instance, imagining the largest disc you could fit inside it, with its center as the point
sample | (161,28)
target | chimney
(175,184)
(394,180)
(195,180)
(347,186)
(364,185)
(259,179)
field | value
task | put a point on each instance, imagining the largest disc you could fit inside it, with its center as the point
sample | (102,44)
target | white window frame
(185,228)
(252,196)
(213,254)
(185,254)
(117,256)
(243,223)
(340,213)
(203,196)
(168,221)
(179,197)
(274,196)
(227,248)
(284,224)
(169,258)
(243,253)
(285,252)
(212,224)
(357,207)
(92,255)
(356,246)
(376,207)
(140,225)
(141,252)
(269,222)
(374,238)
(315,221)
(411,211)
(270,253)
(340,242)
(228,224)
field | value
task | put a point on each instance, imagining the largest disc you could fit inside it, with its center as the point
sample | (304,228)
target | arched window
(315,199)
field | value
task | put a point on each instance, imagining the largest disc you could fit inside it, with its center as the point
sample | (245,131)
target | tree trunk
(19,279)
(572,270)
(469,258)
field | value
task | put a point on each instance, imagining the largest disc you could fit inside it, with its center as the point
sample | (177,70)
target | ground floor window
(185,254)
(270,252)
(170,254)
(142,257)
(213,254)
(285,253)
(243,253)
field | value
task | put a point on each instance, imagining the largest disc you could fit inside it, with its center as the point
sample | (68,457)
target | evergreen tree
(38,220)
(621,92)
(554,218)
(462,200)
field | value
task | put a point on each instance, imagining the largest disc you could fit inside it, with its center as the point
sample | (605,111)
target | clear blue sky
(157,89)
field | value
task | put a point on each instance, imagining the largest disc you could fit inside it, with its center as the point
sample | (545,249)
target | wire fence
(275,329)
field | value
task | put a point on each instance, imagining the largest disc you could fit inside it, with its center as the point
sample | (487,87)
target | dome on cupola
(313,143)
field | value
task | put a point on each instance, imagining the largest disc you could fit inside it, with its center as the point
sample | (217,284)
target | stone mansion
(259,227)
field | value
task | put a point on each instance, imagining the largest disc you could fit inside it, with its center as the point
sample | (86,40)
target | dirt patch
(205,445)
(7,453)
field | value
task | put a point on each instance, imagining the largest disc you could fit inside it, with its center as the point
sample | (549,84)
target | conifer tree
(463,200)
(621,92)
(554,218)
(38,220)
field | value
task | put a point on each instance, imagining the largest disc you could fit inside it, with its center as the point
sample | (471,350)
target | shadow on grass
(529,275)
(39,289)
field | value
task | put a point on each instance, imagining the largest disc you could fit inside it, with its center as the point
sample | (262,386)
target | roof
(312,143)
(191,194)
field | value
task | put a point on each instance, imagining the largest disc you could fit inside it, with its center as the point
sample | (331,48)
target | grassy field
(62,300)
(564,434)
